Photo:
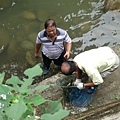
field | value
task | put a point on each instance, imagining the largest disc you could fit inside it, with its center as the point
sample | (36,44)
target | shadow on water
(87,23)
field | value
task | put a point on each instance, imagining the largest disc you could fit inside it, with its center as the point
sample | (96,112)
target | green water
(87,23)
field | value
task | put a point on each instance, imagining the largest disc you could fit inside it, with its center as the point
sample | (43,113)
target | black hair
(49,22)
(72,67)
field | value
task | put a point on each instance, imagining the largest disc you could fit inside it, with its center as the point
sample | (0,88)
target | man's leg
(47,63)
(60,60)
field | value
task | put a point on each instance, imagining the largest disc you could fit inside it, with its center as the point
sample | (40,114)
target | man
(96,63)
(56,45)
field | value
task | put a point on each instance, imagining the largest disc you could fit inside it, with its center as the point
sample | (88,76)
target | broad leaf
(4,89)
(57,116)
(37,100)
(15,111)
(27,82)
(6,101)
(34,71)
(42,87)
(2,77)
(1,118)
(29,112)
(54,106)
(14,80)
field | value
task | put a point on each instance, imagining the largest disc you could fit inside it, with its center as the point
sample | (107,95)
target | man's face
(51,31)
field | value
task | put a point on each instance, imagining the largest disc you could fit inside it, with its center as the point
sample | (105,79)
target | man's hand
(77,81)
(67,55)
(80,86)
(37,55)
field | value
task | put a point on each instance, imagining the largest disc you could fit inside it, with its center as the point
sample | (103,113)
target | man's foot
(45,70)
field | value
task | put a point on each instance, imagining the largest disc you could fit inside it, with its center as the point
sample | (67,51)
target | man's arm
(67,49)
(88,84)
(37,47)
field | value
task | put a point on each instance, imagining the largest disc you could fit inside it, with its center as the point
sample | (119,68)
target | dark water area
(87,23)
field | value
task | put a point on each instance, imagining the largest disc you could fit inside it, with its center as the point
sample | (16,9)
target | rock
(55,92)
(29,15)
(29,58)
(112,4)
(27,45)
(32,37)
(12,48)
(42,15)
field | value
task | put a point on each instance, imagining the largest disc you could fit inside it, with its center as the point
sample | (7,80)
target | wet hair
(72,68)
(49,23)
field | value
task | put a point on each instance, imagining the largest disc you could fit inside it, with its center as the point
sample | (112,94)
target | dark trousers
(57,62)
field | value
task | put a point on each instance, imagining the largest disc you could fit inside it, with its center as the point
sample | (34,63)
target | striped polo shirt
(53,49)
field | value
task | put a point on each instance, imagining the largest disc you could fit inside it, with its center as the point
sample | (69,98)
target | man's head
(50,27)
(68,67)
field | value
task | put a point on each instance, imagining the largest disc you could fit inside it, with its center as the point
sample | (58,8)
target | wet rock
(27,45)
(12,48)
(32,37)
(53,93)
(112,4)
(29,58)
(42,15)
(29,15)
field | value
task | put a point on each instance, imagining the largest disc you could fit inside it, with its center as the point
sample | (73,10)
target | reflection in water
(20,21)
(107,32)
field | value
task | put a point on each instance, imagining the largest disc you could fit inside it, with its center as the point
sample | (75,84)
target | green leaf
(37,100)
(29,111)
(17,83)
(42,87)
(27,82)
(34,71)
(1,118)
(4,89)
(15,111)
(2,77)
(54,106)
(6,101)
(56,116)
(14,80)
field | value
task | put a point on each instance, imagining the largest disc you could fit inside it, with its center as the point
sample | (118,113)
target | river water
(87,23)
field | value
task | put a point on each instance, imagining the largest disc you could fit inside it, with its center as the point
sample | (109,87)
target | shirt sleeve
(38,40)
(94,75)
(67,38)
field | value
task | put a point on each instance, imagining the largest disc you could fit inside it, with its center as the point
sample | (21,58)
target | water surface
(87,23)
